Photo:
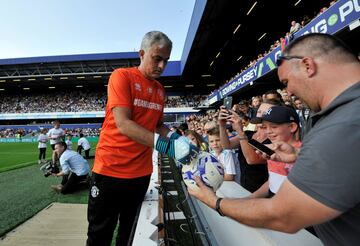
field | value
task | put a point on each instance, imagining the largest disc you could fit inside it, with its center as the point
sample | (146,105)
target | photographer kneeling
(74,169)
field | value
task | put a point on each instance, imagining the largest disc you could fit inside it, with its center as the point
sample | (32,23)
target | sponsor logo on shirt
(94,191)
(147,104)
(150,90)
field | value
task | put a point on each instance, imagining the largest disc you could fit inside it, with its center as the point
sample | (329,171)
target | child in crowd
(68,142)
(83,144)
(42,139)
(196,140)
(225,156)
(281,124)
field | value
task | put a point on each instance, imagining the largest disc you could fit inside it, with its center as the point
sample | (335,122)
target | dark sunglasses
(281,58)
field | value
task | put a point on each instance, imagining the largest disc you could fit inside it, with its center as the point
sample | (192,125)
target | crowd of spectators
(197,122)
(224,130)
(79,101)
(12,132)
(185,101)
(75,101)
(89,132)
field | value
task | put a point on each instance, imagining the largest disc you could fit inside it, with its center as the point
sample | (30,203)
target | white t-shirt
(58,133)
(42,139)
(74,162)
(69,144)
(84,143)
(228,160)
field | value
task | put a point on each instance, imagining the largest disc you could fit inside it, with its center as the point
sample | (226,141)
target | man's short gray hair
(153,37)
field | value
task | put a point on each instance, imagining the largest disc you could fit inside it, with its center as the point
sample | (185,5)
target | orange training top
(116,154)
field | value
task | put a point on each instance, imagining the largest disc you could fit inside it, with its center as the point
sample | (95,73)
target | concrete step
(57,225)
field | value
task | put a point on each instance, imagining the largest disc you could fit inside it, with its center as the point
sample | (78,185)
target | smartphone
(261,147)
(228,103)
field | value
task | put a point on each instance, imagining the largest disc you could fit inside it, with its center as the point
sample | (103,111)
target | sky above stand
(31,28)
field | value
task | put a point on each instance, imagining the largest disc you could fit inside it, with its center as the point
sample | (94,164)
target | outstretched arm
(249,153)
(288,211)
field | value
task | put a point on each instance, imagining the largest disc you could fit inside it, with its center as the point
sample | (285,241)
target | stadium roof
(223,37)
(229,35)
(88,70)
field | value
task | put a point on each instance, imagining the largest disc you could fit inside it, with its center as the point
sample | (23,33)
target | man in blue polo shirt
(74,169)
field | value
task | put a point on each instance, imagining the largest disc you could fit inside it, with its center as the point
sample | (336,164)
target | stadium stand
(213,63)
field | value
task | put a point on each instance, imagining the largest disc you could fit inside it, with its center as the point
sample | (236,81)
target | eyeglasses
(281,58)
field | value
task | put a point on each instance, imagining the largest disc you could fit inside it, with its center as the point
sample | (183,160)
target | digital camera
(49,168)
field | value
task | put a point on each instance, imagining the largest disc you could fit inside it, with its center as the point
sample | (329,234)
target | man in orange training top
(132,128)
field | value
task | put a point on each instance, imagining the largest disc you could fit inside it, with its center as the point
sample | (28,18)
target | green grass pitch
(16,155)
(24,189)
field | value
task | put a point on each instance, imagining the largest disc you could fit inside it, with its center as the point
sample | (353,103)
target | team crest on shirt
(137,87)
(160,93)
(94,191)
(150,90)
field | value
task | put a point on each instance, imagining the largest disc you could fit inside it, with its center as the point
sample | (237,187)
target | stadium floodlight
(105,85)
(26,88)
(2,80)
(1,89)
(218,54)
(251,8)
(297,2)
(262,36)
(211,85)
(79,86)
(48,78)
(51,87)
(81,77)
(189,85)
(97,76)
(31,79)
(211,63)
(239,58)
(16,80)
(206,75)
(167,86)
(236,29)
(63,77)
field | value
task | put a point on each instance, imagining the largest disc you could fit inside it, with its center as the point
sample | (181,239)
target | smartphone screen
(261,147)
(228,103)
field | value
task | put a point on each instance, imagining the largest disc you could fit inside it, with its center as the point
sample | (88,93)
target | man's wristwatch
(217,206)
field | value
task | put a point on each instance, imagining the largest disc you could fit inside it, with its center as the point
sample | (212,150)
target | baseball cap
(278,115)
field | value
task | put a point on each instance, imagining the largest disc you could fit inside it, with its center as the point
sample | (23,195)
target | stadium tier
(221,43)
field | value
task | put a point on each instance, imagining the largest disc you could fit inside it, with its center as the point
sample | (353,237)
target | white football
(207,167)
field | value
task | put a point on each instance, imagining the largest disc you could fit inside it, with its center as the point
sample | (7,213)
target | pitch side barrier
(37,127)
(217,229)
(344,13)
(226,231)
(53,115)
(35,140)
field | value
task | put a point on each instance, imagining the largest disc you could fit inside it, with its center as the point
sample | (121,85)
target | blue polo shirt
(72,161)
